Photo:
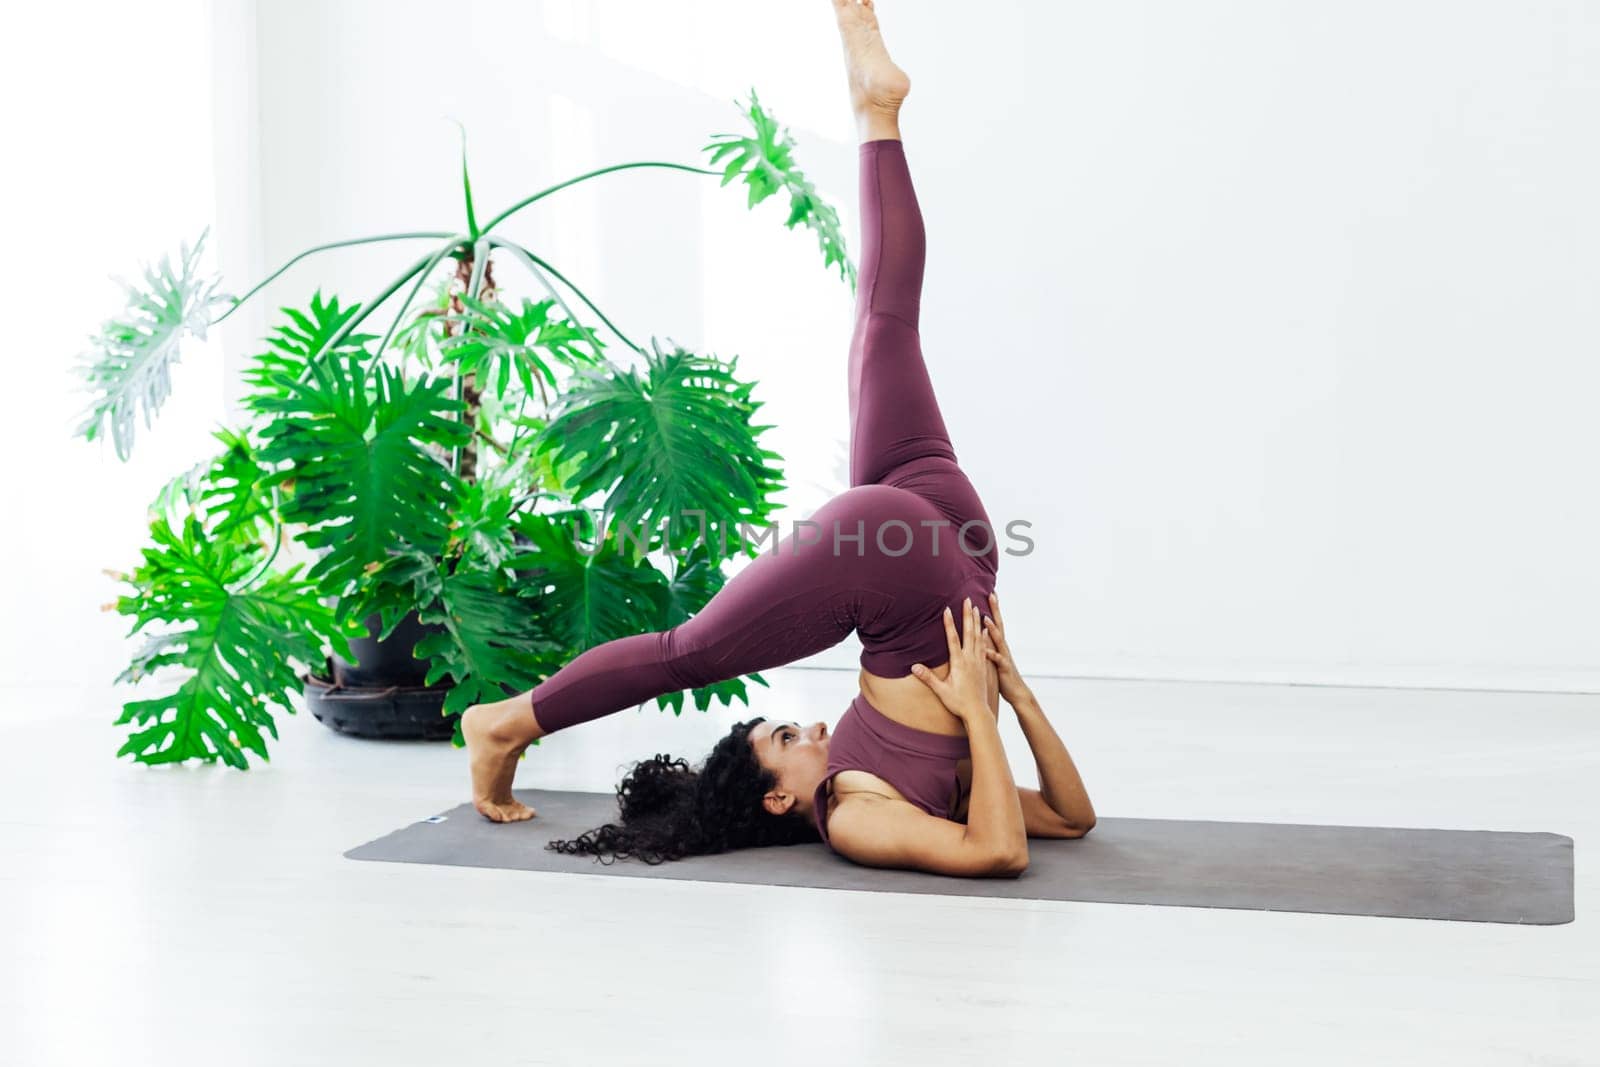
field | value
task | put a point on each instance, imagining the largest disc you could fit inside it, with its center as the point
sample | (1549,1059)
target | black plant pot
(387,662)
(382,695)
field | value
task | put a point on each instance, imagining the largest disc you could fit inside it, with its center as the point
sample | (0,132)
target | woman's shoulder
(856,783)
(858,787)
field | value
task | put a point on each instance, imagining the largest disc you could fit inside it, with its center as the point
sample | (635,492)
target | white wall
(109,166)
(1275,321)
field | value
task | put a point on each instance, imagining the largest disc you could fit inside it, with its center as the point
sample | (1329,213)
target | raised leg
(894,413)
(897,432)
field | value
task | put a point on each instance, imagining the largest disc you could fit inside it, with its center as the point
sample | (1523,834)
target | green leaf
(496,342)
(391,589)
(466,188)
(695,580)
(128,367)
(592,595)
(493,643)
(292,345)
(492,647)
(586,595)
(727,691)
(662,447)
(233,491)
(420,338)
(365,481)
(481,530)
(225,492)
(237,649)
(767,164)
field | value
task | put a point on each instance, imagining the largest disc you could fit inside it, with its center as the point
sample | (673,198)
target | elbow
(1010,865)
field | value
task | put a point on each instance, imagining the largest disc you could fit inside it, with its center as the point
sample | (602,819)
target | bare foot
(876,84)
(494,767)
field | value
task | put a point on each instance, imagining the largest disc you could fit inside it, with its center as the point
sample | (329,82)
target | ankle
(515,725)
(878,124)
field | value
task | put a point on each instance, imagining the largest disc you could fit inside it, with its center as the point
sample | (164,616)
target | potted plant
(443,476)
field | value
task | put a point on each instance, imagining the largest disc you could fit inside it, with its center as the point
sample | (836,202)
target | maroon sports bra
(921,765)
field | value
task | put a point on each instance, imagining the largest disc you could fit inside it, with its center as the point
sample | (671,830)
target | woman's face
(797,755)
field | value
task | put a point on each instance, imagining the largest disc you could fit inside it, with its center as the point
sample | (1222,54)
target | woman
(914,775)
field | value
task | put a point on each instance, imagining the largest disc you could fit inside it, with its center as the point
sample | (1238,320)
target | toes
(515,811)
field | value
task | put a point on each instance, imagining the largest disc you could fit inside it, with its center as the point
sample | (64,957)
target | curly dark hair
(670,810)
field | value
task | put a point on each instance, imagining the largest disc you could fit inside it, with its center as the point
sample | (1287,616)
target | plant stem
(520,204)
(277,543)
(527,261)
(422,279)
(366,309)
(455,450)
(534,263)
(496,445)
(322,248)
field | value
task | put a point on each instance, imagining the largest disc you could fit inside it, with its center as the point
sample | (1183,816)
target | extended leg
(780,608)
(796,599)
(897,432)
(894,414)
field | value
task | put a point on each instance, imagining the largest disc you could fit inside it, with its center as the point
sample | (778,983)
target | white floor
(197,915)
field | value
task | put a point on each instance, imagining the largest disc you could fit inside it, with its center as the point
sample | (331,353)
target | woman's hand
(1012,687)
(965,690)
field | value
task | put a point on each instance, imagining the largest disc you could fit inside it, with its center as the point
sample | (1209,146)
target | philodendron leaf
(493,642)
(420,338)
(481,529)
(695,580)
(291,346)
(589,596)
(128,367)
(674,450)
(727,691)
(232,490)
(766,160)
(237,649)
(492,646)
(224,494)
(496,342)
(365,481)
(585,595)
(466,188)
(392,589)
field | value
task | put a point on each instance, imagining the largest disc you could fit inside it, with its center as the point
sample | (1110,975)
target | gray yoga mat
(1470,875)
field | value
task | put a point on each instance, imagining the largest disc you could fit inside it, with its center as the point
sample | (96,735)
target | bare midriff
(910,702)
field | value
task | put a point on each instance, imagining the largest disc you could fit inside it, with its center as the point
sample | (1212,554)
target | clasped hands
(982,641)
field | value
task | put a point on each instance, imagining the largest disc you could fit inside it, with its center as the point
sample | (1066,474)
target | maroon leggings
(882,559)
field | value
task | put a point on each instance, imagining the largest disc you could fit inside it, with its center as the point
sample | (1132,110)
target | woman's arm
(994,812)
(1059,781)
(881,832)
(1060,784)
